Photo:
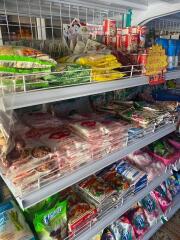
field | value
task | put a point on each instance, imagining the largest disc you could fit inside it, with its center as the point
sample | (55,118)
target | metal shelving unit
(87,170)
(173,209)
(25,99)
(31,14)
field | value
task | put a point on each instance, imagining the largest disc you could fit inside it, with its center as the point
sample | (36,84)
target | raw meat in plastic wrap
(41,120)
(90,130)
(65,143)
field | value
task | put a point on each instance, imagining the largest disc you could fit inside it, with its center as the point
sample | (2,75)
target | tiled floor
(170,230)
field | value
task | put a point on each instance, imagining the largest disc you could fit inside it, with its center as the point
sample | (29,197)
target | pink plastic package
(174,140)
(138,220)
(154,169)
(167,161)
(163,197)
(140,158)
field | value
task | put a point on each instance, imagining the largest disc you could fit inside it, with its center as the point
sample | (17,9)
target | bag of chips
(151,208)
(52,223)
(12,223)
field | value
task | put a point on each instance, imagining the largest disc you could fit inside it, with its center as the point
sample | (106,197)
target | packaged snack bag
(107,235)
(151,208)
(80,212)
(12,223)
(173,185)
(137,178)
(163,197)
(162,151)
(52,224)
(15,59)
(138,220)
(122,229)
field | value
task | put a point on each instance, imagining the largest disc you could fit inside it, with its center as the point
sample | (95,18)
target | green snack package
(52,224)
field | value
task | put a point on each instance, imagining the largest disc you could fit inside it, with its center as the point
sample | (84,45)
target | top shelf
(25,99)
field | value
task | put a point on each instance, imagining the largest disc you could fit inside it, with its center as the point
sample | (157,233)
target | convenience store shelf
(87,170)
(115,213)
(25,99)
(173,209)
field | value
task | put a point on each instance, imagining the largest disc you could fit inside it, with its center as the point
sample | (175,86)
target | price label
(157,79)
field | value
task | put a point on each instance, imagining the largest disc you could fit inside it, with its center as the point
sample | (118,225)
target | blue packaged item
(163,42)
(122,229)
(12,223)
(137,178)
(165,95)
(172,185)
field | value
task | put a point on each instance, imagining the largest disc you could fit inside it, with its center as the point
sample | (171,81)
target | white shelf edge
(25,99)
(87,170)
(114,214)
(173,209)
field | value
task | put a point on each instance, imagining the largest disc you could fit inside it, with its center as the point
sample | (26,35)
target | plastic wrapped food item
(174,140)
(162,151)
(122,229)
(156,168)
(141,118)
(99,61)
(100,193)
(41,120)
(14,59)
(102,65)
(68,145)
(137,178)
(163,197)
(140,158)
(52,223)
(80,212)
(173,185)
(90,130)
(116,181)
(69,74)
(151,208)
(107,235)
(28,173)
(138,220)
(13,225)
(105,75)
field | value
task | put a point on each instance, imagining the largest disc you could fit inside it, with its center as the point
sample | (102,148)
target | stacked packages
(138,220)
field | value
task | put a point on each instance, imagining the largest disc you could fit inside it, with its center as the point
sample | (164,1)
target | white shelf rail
(25,99)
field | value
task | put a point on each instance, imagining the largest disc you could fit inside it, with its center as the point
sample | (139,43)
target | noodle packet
(52,224)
